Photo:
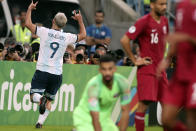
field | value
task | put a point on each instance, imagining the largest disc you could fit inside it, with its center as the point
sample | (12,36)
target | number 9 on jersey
(54,46)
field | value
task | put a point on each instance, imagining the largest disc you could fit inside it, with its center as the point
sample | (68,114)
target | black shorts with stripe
(45,83)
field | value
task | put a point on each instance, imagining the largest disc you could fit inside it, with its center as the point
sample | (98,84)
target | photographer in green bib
(20,32)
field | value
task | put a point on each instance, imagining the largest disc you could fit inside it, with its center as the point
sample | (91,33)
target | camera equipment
(1,47)
(128,62)
(79,58)
(119,54)
(75,11)
(19,48)
(10,50)
(66,55)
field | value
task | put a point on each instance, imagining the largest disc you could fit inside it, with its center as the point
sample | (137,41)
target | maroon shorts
(150,88)
(181,93)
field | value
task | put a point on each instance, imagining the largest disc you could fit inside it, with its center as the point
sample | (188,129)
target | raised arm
(82,34)
(28,21)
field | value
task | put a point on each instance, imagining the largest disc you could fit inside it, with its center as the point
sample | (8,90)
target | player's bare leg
(140,114)
(191,120)
(169,118)
(35,98)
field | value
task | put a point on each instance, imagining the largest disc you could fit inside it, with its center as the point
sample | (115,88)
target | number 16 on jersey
(154,38)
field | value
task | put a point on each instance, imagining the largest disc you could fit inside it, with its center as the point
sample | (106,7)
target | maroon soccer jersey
(150,34)
(186,52)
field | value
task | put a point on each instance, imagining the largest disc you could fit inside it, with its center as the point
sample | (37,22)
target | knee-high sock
(139,121)
(43,117)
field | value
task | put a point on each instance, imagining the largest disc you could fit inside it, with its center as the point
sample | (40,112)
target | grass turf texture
(59,128)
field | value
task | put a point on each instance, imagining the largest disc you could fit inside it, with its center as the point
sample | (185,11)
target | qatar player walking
(182,89)
(150,30)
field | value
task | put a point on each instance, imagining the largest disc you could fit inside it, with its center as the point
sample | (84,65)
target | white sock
(43,117)
(159,113)
(36,97)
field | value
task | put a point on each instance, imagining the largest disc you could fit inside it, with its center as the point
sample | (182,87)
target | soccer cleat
(38,125)
(42,106)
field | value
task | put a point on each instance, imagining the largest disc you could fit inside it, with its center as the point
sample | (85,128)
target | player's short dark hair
(153,1)
(100,11)
(107,58)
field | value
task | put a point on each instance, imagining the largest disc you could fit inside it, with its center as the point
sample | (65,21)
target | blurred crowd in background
(24,46)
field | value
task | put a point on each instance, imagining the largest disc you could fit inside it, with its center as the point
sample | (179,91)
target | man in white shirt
(53,42)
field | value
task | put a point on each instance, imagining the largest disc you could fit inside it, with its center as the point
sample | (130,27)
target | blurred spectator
(136,50)
(20,32)
(68,57)
(27,53)
(136,53)
(95,59)
(79,56)
(82,46)
(98,33)
(119,57)
(140,6)
(9,51)
(146,6)
(100,49)
(133,4)
(1,51)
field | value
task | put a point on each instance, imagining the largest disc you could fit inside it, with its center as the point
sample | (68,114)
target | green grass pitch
(59,128)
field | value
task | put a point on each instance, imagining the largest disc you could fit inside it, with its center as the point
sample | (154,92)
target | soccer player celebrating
(99,98)
(150,30)
(182,89)
(53,42)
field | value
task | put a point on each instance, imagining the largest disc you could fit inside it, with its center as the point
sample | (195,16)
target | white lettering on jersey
(179,18)
(165,30)
(154,30)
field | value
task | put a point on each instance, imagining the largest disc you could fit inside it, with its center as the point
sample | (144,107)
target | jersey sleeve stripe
(36,30)
(76,38)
